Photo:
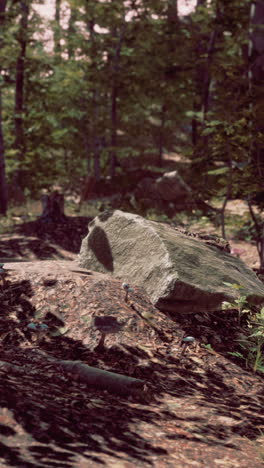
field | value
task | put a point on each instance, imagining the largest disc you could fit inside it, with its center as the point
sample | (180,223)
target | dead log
(102,379)
(97,378)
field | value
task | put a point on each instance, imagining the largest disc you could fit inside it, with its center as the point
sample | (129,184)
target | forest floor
(198,409)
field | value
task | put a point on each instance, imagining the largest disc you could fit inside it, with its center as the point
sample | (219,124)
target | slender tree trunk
(257,84)
(87,149)
(202,82)
(207,73)
(161,136)
(113,157)
(19,144)
(259,228)
(198,87)
(172,12)
(20,78)
(94,126)
(115,66)
(3,184)
(71,32)
(2,11)
(229,190)
(57,29)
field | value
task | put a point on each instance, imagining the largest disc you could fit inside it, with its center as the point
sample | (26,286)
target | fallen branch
(98,378)
(102,379)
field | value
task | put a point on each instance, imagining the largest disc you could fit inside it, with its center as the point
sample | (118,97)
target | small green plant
(207,346)
(240,304)
(257,336)
(252,342)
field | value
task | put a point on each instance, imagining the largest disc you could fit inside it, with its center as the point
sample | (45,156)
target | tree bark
(3,184)
(20,77)
(19,144)
(256,74)
(115,66)
(94,133)
(71,32)
(161,135)
(53,208)
(57,29)
(172,12)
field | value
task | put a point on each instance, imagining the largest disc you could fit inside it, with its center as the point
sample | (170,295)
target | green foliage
(156,72)
(240,304)
(251,342)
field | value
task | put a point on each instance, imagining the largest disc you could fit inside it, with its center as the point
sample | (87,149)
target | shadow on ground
(52,419)
(41,240)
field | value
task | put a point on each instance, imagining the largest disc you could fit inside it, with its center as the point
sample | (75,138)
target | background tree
(124,83)
(20,141)
(3,183)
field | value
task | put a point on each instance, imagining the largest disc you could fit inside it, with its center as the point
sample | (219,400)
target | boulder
(171,187)
(158,193)
(147,189)
(180,273)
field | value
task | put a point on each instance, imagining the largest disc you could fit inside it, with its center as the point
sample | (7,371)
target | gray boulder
(171,187)
(179,273)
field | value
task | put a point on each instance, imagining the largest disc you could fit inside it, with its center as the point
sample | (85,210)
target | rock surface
(170,187)
(179,273)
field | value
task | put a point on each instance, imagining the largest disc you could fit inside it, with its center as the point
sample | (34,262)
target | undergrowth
(251,340)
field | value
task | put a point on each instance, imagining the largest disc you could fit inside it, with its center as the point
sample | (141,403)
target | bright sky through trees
(184,7)
(47,10)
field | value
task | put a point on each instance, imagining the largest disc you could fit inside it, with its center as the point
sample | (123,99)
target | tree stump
(53,208)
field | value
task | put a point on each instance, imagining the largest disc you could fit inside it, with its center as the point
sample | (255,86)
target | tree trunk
(53,208)
(87,148)
(201,82)
(57,29)
(19,144)
(113,157)
(161,136)
(3,184)
(115,66)
(257,77)
(95,136)
(2,11)
(20,77)
(172,12)
(71,32)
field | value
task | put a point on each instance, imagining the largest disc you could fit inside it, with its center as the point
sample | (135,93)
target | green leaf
(236,354)
(208,131)
(227,305)
(221,170)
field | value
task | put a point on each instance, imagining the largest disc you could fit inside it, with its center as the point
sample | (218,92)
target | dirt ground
(198,408)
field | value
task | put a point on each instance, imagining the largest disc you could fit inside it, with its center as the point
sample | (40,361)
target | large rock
(171,187)
(180,273)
